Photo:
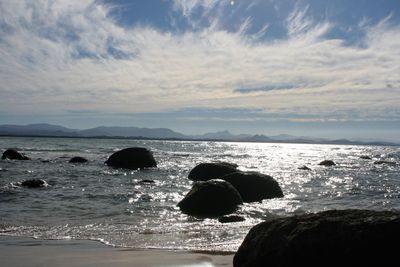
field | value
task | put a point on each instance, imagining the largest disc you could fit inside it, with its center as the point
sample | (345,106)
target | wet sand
(25,252)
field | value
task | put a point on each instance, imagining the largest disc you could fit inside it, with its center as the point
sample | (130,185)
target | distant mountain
(41,129)
(222,135)
(165,133)
(257,138)
(132,132)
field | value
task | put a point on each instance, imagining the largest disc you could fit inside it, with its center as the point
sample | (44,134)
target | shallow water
(93,201)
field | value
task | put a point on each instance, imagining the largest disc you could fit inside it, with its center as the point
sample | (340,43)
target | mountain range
(48,130)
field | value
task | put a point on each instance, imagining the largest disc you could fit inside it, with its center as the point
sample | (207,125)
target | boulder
(34,183)
(365,157)
(231,219)
(327,163)
(208,171)
(78,160)
(330,238)
(132,158)
(211,199)
(254,186)
(14,154)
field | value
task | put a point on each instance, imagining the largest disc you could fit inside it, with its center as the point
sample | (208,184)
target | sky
(303,67)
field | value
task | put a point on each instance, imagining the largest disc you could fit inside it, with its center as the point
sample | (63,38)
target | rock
(145,181)
(208,171)
(330,238)
(254,186)
(327,163)
(78,160)
(14,154)
(380,162)
(304,168)
(231,218)
(212,198)
(34,183)
(365,157)
(132,158)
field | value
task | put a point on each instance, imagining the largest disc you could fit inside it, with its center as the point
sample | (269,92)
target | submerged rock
(212,198)
(146,181)
(330,238)
(14,154)
(208,171)
(254,186)
(78,160)
(231,218)
(34,183)
(365,157)
(327,163)
(132,158)
(304,168)
(380,162)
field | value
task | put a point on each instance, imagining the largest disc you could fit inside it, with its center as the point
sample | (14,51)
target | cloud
(72,55)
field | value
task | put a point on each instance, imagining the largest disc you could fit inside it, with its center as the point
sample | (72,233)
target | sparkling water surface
(93,201)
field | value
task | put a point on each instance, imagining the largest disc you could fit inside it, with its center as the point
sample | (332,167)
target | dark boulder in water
(304,168)
(365,157)
(231,219)
(34,183)
(330,238)
(132,158)
(254,186)
(78,160)
(208,171)
(14,154)
(327,163)
(212,198)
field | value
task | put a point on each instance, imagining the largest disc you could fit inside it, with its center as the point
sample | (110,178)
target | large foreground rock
(330,238)
(213,198)
(254,186)
(208,171)
(14,154)
(132,158)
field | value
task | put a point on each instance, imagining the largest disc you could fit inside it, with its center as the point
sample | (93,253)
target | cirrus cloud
(66,55)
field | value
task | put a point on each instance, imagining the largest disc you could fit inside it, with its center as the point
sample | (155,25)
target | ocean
(96,202)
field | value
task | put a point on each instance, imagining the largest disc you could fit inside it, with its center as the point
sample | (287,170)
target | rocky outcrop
(208,171)
(254,186)
(78,160)
(14,154)
(330,238)
(327,163)
(132,158)
(210,199)
(34,183)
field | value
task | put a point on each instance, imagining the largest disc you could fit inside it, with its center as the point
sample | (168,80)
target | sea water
(94,201)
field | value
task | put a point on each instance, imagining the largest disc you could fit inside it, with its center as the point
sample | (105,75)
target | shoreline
(29,252)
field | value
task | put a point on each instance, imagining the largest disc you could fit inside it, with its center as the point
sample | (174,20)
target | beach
(27,252)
